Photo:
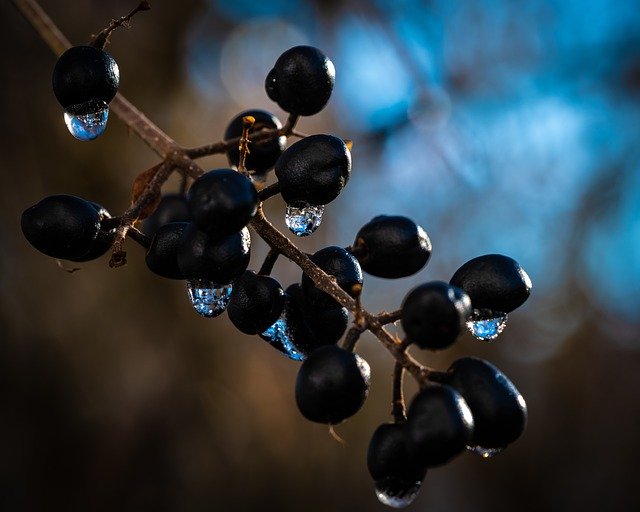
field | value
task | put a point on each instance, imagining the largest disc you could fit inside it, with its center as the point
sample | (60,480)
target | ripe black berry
(434,313)
(396,471)
(439,425)
(493,282)
(222,202)
(301,80)
(499,411)
(314,326)
(172,208)
(332,385)
(262,155)
(256,302)
(337,262)
(85,74)
(314,170)
(61,226)
(162,256)
(392,246)
(104,239)
(219,260)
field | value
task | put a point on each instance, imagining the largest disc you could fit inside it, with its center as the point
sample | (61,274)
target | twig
(101,40)
(398,409)
(385,317)
(268,263)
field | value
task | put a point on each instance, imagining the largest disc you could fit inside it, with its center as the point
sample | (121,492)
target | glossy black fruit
(262,155)
(220,260)
(434,313)
(104,239)
(494,282)
(172,208)
(222,202)
(337,262)
(392,246)
(439,425)
(499,411)
(61,226)
(332,385)
(314,326)
(162,256)
(85,74)
(256,302)
(396,471)
(314,170)
(301,80)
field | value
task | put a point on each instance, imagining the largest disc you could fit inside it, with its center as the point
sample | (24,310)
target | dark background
(508,127)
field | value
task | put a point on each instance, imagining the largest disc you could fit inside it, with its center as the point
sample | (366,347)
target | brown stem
(386,317)
(270,191)
(268,263)
(398,409)
(101,40)
(351,338)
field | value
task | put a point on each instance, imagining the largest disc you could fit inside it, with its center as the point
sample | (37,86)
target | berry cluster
(201,236)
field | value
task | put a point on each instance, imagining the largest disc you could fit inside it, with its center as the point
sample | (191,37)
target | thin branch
(351,338)
(385,317)
(270,191)
(268,263)
(398,409)
(101,40)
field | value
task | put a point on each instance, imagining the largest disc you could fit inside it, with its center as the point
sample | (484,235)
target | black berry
(439,425)
(493,282)
(337,262)
(104,239)
(219,260)
(499,411)
(162,256)
(314,170)
(256,302)
(262,155)
(332,385)
(172,208)
(301,80)
(85,74)
(434,313)
(396,471)
(392,246)
(222,202)
(61,226)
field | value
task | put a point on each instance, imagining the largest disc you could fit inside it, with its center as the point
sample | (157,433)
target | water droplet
(279,335)
(303,219)
(485,453)
(208,298)
(397,493)
(87,121)
(486,325)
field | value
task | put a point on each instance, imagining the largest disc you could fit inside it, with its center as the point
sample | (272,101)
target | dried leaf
(140,186)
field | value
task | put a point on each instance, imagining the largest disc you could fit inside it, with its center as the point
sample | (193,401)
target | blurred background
(508,127)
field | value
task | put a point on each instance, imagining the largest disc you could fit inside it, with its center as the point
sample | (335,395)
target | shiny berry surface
(301,80)
(61,226)
(162,256)
(332,385)
(85,74)
(172,208)
(434,314)
(392,246)
(314,170)
(256,302)
(222,202)
(494,282)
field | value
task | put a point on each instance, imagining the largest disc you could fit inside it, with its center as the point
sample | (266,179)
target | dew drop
(485,453)
(279,335)
(395,493)
(486,325)
(87,121)
(303,219)
(208,299)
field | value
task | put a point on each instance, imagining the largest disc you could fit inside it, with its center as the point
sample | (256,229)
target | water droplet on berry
(485,453)
(486,325)
(89,122)
(279,335)
(392,493)
(208,298)
(303,219)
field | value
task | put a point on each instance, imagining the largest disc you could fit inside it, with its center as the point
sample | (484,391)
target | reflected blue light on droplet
(375,88)
(87,125)
(279,335)
(303,220)
(208,299)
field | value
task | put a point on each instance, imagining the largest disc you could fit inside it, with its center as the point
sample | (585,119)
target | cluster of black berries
(202,237)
